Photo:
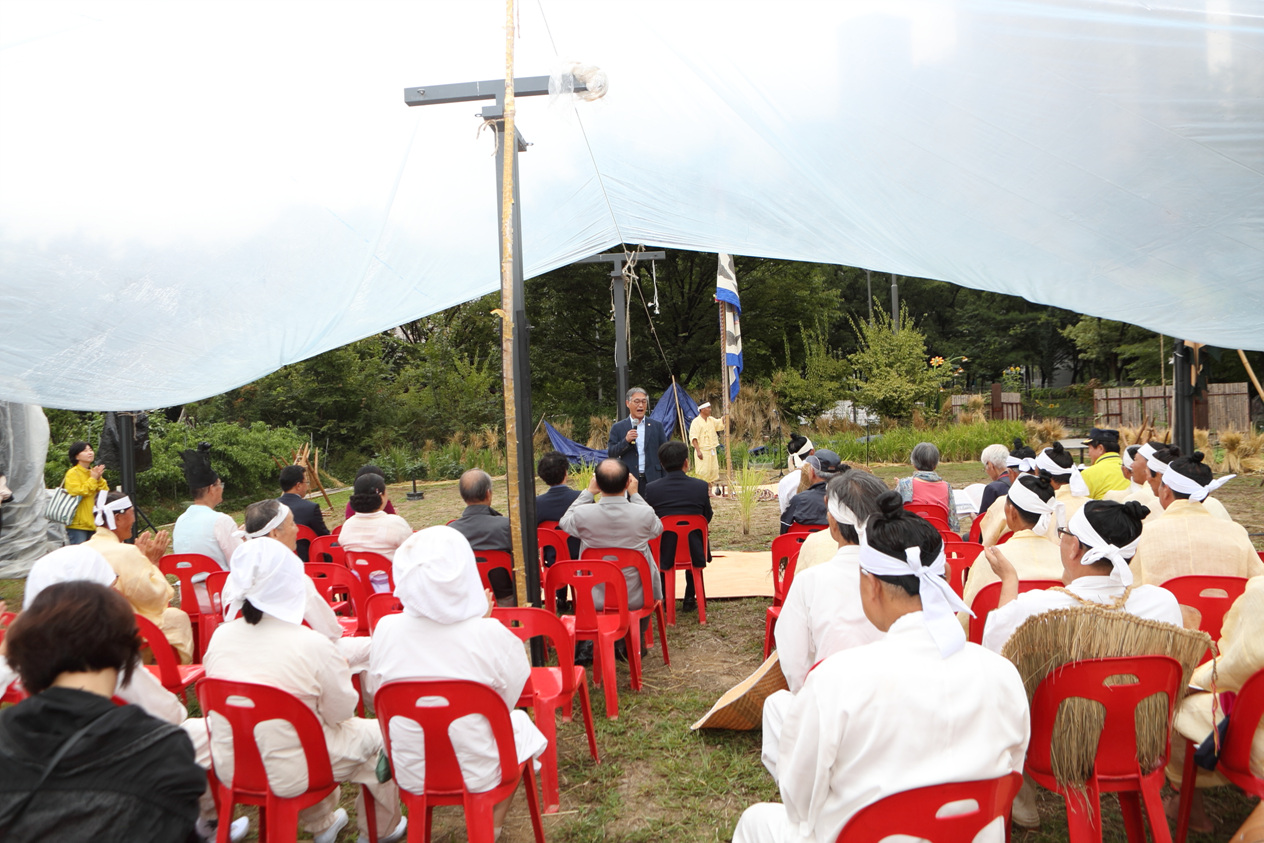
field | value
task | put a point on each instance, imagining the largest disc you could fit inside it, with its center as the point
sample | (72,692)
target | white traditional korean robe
(705,432)
(146,589)
(374,532)
(1031,554)
(1145,601)
(479,649)
(787,488)
(817,549)
(888,717)
(1188,539)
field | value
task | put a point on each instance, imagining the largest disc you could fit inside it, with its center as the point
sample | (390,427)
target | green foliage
(747,491)
(956,442)
(1116,351)
(808,391)
(891,370)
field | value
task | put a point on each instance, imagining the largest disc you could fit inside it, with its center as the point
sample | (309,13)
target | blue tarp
(574,451)
(665,410)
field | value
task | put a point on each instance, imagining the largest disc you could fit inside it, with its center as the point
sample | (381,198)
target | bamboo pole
(506,314)
(1250,373)
(680,420)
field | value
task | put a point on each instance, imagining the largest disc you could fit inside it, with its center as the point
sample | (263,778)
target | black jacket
(308,514)
(131,777)
(807,507)
(679,494)
(551,506)
(621,449)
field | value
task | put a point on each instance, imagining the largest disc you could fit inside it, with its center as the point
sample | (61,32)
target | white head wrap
(270,576)
(277,520)
(74,562)
(843,514)
(1100,549)
(1028,501)
(1126,458)
(1178,482)
(1023,464)
(436,577)
(104,512)
(798,457)
(939,602)
(1078,487)
(1156,465)
(704,405)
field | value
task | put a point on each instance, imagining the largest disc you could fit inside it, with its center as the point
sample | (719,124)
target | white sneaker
(236,832)
(394,837)
(330,834)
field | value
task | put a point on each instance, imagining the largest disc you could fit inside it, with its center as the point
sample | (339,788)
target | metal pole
(127,458)
(1182,399)
(895,304)
(869,285)
(620,342)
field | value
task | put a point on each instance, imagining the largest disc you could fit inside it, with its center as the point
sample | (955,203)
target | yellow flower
(965,359)
(937,361)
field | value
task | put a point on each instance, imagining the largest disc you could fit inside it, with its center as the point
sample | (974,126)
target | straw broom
(1047,641)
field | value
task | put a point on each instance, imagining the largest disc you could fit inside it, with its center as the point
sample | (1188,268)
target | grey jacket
(616,521)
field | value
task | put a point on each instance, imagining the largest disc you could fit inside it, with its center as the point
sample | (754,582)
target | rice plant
(747,493)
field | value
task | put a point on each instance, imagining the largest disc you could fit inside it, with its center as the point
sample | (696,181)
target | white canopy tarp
(194,194)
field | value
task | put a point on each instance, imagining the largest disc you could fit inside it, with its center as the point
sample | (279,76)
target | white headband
(843,515)
(1126,459)
(104,512)
(1100,549)
(704,405)
(1028,501)
(1078,487)
(1178,482)
(939,601)
(1156,465)
(1023,464)
(277,521)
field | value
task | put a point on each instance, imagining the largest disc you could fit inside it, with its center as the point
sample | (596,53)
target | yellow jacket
(79,482)
(1105,475)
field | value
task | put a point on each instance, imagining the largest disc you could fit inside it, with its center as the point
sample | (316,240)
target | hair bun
(1197,456)
(1057,448)
(890,504)
(1018,443)
(1136,510)
(1173,451)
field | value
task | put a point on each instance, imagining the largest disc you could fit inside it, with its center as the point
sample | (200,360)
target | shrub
(956,443)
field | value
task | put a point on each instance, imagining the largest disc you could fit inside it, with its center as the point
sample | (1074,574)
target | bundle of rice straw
(742,706)
(1050,640)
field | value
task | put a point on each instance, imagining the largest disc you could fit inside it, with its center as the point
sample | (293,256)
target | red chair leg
(1188,780)
(770,623)
(669,594)
(1152,800)
(1084,812)
(585,710)
(700,593)
(634,655)
(480,824)
(662,632)
(546,722)
(370,814)
(1134,824)
(533,802)
(603,665)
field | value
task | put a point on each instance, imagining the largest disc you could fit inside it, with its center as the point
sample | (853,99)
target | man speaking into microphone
(635,440)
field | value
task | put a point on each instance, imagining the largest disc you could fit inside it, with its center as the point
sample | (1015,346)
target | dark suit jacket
(620,448)
(807,507)
(308,514)
(486,529)
(551,506)
(679,494)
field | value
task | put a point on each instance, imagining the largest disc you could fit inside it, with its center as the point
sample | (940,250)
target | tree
(816,387)
(891,372)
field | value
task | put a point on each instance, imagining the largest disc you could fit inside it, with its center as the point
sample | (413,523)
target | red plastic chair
(1235,750)
(214,592)
(1210,596)
(976,528)
(364,563)
(184,567)
(342,590)
(326,549)
(551,687)
(785,557)
(960,555)
(603,628)
(1006,536)
(491,560)
(651,606)
(306,533)
(1115,768)
(796,527)
(14,693)
(245,705)
(681,526)
(175,677)
(987,598)
(378,606)
(434,705)
(915,812)
(335,531)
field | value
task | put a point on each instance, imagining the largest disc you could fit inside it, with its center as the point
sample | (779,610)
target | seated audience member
(200,529)
(1029,509)
(1095,548)
(139,580)
(446,607)
(1057,464)
(485,529)
(1022,460)
(265,587)
(822,613)
(925,486)
(918,708)
(995,459)
(822,545)
(554,470)
(676,493)
(1133,466)
(621,518)
(1241,656)
(800,448)
(1157,463)
(73,765)
(370,469)
(306,513)
(372,529)
(1187,539)
(1104,474)
(808,507)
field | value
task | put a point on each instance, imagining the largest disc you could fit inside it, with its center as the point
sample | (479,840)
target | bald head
(476,487)
(612,476)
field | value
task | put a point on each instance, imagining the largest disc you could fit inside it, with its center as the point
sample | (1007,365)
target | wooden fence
(1225,406)
(1011,405)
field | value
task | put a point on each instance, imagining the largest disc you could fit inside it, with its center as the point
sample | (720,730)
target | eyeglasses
(1063,531)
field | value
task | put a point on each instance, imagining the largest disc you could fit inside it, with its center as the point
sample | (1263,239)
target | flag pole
(724,379)
(680,419)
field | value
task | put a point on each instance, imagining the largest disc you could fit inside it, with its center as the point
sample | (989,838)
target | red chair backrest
(433,704)
(581,576)
(796,527)
(306,533)
(622,557)
(681,526)
(1244,722)
(164,654)
(529,622)
(362,563)
(185,566)
(1006,536)
(215,590)
(915,812)
(379,606)
(548,525)
(489,560)
(961,555)
(1117,747)
(6,618)
(987,598)
(335,531)
(556,539)
(332,580)
(245,705)
(326,546)
(1211,596)
(932,512)
(785,556)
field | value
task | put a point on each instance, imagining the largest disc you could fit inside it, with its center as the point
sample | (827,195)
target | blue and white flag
(726,292)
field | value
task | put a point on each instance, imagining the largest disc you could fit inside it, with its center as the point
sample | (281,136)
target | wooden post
(680,420)
(998,411)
